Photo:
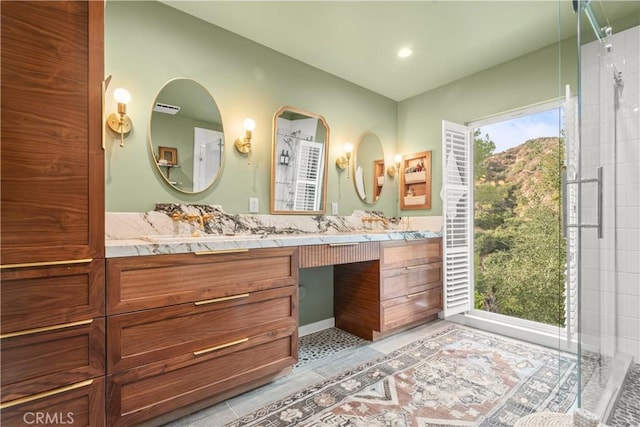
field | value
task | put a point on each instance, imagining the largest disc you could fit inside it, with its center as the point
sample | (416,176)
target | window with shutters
(502,193)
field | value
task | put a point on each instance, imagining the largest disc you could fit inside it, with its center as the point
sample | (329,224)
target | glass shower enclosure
(606,212)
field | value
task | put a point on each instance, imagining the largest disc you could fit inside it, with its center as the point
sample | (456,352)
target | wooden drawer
(338,253)
(42,296)
(37,362)
(78,404)
(137,283)
(401,254)
(148,336)
(146,392)
(410,280)
(401,311)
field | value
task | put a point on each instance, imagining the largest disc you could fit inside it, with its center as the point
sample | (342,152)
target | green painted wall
(149,43)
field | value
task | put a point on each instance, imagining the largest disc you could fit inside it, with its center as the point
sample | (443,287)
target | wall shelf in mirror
(415,181)
(186,124)
(299,157)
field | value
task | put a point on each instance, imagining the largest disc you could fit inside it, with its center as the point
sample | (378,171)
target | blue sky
(512,132)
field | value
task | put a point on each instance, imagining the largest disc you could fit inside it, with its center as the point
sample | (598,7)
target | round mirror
(299,162)
(186,136)
(368,168)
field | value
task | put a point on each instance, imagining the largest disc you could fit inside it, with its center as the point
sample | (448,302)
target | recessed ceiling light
(405,52)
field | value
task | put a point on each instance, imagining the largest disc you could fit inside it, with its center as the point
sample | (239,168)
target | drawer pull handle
(45,329)
(412,267)
(333,245)
(211,301)
(219,347)
(46,263)
(416,294)
(222,251)
(44,394)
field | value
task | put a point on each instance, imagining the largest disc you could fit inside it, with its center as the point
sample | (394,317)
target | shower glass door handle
(565,205)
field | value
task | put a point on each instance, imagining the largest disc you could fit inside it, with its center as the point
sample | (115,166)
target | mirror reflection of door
(299,161)
(185,117)
(368,168)
(207,156)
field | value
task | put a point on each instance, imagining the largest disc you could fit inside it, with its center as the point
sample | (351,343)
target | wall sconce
(343,161)
(119,122)
(391,170)
(243,145)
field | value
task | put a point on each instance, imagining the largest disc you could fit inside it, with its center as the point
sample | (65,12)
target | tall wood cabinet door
(52,162)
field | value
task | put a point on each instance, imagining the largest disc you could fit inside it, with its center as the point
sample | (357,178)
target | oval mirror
(368,168)
(186,136)
(299,158)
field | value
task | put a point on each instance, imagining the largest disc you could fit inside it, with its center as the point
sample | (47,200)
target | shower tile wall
(619,304)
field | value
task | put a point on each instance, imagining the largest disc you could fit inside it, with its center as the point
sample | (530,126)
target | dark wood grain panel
(143,393)
(38,362)
(356,290)
(43,296)
(52,163)
(83,406)
(151,335)
(408,309)
(137,283)
(405,281)
(398,254)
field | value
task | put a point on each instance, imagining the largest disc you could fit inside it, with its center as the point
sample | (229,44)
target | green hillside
(519,249)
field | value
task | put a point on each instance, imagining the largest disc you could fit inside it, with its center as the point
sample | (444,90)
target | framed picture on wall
(168,155)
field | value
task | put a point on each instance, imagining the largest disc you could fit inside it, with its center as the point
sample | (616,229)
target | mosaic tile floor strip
(325,343)
(627,411)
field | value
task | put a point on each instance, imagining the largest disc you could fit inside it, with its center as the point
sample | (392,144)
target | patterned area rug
(456,377)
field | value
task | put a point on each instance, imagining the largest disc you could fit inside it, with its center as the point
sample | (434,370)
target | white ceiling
(358,40)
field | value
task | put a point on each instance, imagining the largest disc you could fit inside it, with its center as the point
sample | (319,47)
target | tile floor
(329,352)
(627,410)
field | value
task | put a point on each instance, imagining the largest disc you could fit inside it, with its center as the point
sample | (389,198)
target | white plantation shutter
(457,175)
(308,177)
(571,214)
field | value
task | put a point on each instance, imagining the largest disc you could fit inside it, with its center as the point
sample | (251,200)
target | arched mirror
(368,168)
(299,162)
(186,136)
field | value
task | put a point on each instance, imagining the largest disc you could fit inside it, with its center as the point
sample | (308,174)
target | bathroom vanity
(192,321)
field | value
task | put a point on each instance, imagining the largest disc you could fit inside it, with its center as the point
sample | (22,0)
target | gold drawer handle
(45,329)
(219,347)
(46,263)
(211,301)
(333,245)
(412,267)
(416,294)
(222,251)
(42,395)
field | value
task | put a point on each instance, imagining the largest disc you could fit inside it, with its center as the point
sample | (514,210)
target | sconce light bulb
(249,124)
(122,96)
(397,158)
(348,147)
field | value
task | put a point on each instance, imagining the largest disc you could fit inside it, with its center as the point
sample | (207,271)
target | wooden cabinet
(52,213)
(402,289)
(415,181)
(52,162)
(192,329)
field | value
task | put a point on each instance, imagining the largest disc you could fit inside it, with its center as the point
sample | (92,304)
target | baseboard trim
(316,327)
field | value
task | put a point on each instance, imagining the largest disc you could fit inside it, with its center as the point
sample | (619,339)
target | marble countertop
(176,244)
(168,229)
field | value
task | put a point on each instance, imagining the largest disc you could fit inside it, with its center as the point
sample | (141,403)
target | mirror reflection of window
(298,180)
